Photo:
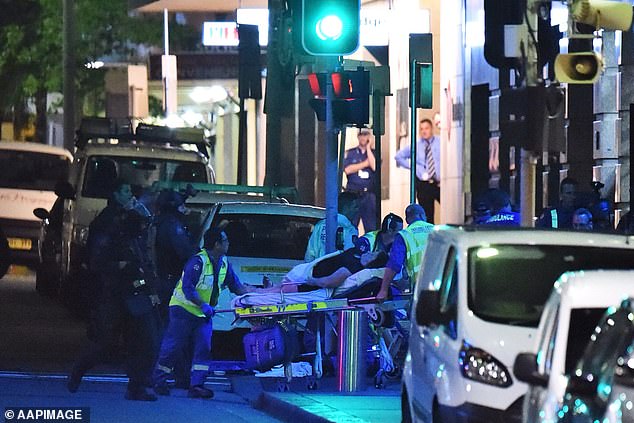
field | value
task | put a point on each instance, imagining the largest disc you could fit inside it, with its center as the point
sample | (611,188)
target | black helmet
(170,200)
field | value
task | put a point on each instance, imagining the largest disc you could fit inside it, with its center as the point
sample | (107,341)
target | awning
(195,5)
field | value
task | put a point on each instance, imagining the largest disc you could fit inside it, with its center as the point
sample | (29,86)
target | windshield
(32,170)
(266,235)
(510,284)
(140,172)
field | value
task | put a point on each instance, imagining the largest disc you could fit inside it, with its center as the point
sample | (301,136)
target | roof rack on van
(164,134)
(272,192)
(121,129)
(98,127)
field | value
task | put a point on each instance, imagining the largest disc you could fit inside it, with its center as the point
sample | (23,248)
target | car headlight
(479,365)
(80,235)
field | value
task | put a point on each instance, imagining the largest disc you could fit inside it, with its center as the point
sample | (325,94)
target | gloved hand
(208,310)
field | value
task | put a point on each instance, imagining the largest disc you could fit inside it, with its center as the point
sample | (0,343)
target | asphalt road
(39,340)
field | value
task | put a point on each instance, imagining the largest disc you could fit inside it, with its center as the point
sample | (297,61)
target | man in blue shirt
(359,166)
(427,167)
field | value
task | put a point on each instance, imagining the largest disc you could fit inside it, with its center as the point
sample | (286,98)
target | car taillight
(477,364)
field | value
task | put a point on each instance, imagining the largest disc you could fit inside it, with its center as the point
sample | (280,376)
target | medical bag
(270,345)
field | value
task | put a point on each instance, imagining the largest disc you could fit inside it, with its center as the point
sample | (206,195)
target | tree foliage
(31,36)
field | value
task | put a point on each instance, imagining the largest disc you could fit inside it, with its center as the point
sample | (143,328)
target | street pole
(528,159)
(69,73)
(331,169)
(412,96)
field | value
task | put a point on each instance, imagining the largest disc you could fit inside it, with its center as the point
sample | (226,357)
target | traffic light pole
(331,169)
(412,96)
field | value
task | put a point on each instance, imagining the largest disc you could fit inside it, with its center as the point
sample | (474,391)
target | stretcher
(296,308)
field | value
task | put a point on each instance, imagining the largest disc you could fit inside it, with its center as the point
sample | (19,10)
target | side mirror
(525,370)
(41,213)
(581,386)
(428,308)
(65,190)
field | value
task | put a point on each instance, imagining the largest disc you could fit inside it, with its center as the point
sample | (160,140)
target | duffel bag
(268,346)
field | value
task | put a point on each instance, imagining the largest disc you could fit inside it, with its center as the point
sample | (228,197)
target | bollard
(351,364)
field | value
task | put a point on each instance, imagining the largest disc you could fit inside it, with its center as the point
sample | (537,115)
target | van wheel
(406,416)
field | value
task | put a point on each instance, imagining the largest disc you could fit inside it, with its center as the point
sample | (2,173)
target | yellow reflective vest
(371,236)
(207,288)
(415,237)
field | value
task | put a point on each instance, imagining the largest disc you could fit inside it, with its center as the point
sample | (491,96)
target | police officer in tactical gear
(124,295)
(174,245)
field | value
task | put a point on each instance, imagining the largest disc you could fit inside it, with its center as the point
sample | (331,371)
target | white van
(576,304)
(477,304)
(29,173)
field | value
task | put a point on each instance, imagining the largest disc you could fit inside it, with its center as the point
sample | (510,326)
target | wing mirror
(65,190)
(41,213)
(525,370)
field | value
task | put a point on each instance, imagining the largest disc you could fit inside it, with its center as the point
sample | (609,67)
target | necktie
(429,159)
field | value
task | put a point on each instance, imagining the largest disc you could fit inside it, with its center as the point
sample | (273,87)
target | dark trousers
(426,194)
(112,319)
(367,210)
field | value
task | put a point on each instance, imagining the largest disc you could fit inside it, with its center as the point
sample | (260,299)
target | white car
(571,359)
(265,240)
(29,174)
(477,305)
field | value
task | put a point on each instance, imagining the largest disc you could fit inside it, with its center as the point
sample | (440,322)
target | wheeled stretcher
(295,308)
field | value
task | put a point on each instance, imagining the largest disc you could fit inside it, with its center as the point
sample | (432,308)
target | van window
(582,324)
(510,284)
(266,235)
(140,172)
(449,293)
(32,170)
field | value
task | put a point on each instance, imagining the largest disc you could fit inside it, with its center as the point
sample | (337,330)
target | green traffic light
(329,28)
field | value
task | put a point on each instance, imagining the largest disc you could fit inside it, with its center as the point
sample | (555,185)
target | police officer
(191,310)
(174,245)
(359,166)
(382,240)
(561,216)
(407,249)
(124,296)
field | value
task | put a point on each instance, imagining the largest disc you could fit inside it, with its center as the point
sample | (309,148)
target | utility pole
(528,159)
(69,72)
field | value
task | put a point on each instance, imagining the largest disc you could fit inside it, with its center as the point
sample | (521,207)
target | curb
(285,411)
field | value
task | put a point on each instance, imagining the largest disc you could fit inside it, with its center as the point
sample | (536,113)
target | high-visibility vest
(554,219)
(372,237)
(207,288)
(415,237)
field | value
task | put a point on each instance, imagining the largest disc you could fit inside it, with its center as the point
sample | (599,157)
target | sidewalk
(326,404)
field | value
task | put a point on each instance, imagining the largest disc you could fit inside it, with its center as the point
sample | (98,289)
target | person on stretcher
(331,270)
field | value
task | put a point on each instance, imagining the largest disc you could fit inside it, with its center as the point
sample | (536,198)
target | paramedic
(407,249)
(382,240)
(346,231)
(191,309)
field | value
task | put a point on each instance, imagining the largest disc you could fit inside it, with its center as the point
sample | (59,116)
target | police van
(29,174)
(106,150)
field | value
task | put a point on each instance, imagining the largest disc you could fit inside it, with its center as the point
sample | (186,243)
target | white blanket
(353,281)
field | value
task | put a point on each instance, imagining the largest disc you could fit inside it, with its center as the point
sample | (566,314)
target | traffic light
(578,68)
(351,101)
(330,27)
(352,96)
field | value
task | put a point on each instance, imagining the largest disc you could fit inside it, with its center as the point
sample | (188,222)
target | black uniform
(124,279)
(173,248)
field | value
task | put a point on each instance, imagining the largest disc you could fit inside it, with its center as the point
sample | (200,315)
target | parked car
(566,330)
(477,304)
(29,173)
